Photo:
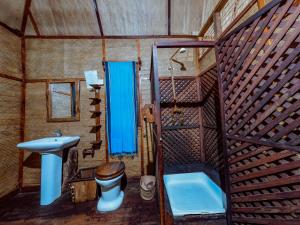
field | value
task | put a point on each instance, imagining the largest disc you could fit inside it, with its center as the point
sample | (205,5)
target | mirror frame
(76,83)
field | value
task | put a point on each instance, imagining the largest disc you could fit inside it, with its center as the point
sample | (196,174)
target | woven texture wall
(259,74)
(10,111)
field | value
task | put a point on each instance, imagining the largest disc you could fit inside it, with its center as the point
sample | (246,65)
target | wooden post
(217,25)
(22,111)
(202,150)
(169,16)
(103,61)
(224,142)
(140,104)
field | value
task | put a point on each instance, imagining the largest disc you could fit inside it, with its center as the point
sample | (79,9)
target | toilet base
(107,206)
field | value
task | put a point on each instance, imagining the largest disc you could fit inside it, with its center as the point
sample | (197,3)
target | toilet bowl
(108,176)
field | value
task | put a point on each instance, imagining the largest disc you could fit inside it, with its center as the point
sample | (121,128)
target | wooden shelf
(95,128)
(96,142)
(95,101)
(96,86)
(95,114)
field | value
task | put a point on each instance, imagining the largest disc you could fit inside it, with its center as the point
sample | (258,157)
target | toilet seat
(110,170)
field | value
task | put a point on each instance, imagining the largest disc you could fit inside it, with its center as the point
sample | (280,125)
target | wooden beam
(210,19)
(290,180)
(25,15)
(223,141)
(265,143)
(54,80)
(2,75)
(169,16)
(35,27)
(267,197)
(12,30)
(217,25)
(109,37)
(185,44)
(98,17)
(268,209)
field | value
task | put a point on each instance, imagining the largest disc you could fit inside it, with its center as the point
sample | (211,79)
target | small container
(147,187)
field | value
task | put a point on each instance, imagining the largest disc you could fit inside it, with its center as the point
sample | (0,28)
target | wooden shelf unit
(95,114)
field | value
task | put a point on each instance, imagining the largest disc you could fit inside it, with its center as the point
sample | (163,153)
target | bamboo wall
(60,59)
(10,105)
(209,58)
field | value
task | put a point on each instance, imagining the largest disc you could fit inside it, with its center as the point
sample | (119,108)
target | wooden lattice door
(259,82)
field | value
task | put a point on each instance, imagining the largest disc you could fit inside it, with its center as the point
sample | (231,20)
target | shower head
(182,50)
(179,50)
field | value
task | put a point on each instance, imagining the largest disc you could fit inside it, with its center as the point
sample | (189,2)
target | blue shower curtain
(121,107)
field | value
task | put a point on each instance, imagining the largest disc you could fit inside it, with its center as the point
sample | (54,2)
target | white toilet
(108,176)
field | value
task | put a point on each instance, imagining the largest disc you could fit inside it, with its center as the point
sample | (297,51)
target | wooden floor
(24,209)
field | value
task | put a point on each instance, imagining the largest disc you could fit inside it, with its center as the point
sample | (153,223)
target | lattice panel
(212,148)
(211,119)
(258,67)
(186,90)
(188,117)
(265,185)
(181,133)
(181,146)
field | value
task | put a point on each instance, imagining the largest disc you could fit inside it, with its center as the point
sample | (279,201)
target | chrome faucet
(58,133)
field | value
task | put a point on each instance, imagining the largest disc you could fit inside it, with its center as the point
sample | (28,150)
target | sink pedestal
(51,149)
(51,177)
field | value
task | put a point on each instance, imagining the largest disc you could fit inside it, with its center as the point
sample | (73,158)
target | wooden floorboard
(24,209)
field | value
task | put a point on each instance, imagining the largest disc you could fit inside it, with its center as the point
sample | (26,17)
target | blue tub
(194,193)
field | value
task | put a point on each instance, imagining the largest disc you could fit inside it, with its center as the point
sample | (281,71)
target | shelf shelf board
(95,101)
(95,114)
(96,86)
(95,128)
(96,142)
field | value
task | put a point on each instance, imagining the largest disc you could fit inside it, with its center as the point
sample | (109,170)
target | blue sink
(51,149)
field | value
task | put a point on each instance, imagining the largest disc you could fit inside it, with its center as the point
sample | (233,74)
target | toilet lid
(110,170)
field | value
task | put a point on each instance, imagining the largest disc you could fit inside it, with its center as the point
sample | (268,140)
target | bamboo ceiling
(116,17)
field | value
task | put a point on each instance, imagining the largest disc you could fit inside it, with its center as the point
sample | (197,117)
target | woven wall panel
(259,73)
(10,114)
(181,132)
(181,146)
(185,88)
(211,122)
(188,117)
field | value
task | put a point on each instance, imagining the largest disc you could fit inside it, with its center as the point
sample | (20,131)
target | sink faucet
(58,133)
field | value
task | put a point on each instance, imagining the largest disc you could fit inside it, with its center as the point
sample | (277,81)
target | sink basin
(51,150)
(49,144)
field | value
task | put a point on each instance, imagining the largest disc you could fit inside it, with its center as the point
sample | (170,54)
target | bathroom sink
(51,150)
(49,144)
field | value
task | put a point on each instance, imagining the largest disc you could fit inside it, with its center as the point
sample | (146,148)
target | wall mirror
(63,101)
